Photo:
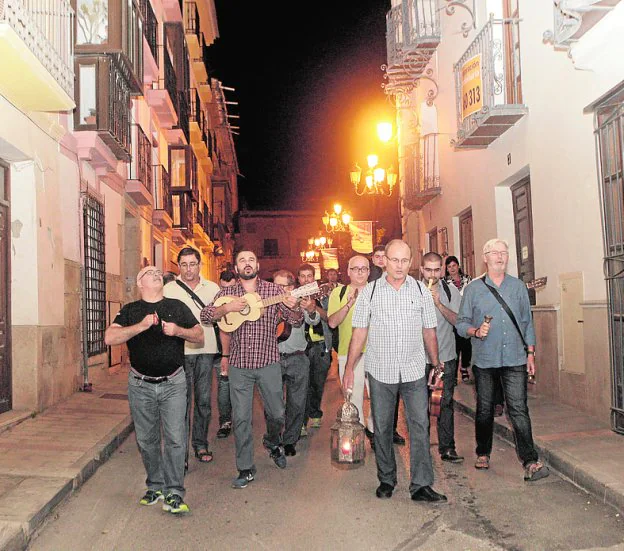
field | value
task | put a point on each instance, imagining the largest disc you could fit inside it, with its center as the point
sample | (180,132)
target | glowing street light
(338,220)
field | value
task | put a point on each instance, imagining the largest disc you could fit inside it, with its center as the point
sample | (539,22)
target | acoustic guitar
(284,329)
(436,387)
(256,305)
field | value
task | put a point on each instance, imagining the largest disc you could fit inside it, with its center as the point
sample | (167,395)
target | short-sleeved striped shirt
(395,350)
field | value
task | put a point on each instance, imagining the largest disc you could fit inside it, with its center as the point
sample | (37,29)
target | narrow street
(312,505)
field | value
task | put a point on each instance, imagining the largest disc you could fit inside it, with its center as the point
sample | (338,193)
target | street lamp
(377,180)
(338,220)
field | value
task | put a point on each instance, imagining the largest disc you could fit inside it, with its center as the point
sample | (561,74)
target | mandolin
(256,305)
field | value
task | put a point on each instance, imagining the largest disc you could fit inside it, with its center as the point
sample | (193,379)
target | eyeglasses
(286,286)
(359,269)
(400,260)
(498,253)
(151,273)
(184,265)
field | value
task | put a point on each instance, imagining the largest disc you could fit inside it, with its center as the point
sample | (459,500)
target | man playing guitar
(251,357)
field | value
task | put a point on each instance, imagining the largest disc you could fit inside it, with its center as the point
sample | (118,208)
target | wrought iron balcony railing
(162,190)
(171,84)
(140,166)
(150,27)
(46,27)
(422,172)
(412,36)
(183,114)
(488,84)
(191,19)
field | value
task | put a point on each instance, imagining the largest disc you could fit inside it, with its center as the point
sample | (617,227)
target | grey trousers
(415,400)
(296,376)
(242,382)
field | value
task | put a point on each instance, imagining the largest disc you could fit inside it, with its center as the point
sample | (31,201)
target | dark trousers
(463,348)
(295,374)
(320,360)
(446,419)
(514,383)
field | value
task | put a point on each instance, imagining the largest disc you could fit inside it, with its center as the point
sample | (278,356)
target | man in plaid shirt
(251,357)
(396,313)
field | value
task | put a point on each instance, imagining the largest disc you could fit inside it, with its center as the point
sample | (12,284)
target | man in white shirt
(193,290)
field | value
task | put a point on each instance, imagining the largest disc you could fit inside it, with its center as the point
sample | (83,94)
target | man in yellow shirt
(339,314)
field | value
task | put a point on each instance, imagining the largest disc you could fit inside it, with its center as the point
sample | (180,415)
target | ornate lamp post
(338,220)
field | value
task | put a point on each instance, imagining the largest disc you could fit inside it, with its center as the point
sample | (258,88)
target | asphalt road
(312,505)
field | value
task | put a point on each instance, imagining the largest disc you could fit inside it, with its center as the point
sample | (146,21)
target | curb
(84,468)
(563,464)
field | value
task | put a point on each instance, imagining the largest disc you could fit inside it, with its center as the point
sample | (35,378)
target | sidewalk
(44,458)
(579,447)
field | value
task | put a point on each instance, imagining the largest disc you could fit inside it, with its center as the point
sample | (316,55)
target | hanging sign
(361,236)
(330,259)
(472,87)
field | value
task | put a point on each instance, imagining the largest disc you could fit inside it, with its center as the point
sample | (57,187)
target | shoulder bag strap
(502,302)
(198,301)
(446,289)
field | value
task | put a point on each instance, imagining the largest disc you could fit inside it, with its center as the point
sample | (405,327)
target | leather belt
(289,354)
(154,380)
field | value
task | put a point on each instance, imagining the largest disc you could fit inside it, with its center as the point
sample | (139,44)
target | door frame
(6,203)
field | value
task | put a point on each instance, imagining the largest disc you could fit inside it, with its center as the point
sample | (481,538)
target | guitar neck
(270,301)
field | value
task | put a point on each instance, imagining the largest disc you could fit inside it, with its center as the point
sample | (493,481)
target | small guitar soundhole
(246,310)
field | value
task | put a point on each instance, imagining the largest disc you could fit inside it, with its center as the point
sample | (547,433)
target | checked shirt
(395,350)
(254,343)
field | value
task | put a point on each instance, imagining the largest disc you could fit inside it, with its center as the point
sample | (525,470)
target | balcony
(412,35)
(179,133)
(573,19)
(162,97)
(422,173)
(103,98)
(201,237)
(162,216)
(37,71)
(197,127)
(198,63)
(173,10)
(182,217)
(192,29)
(488,85)
(139,185)
(183,166)
(150,53)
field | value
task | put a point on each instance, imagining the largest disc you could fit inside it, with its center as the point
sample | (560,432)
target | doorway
(523,225)
(6,396)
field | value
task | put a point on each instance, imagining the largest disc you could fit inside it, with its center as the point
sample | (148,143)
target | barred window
(95,275)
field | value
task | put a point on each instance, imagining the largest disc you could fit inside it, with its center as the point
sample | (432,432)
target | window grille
(95,276)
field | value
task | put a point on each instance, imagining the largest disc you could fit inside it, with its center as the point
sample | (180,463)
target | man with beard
(496,313)
(447,300)
(251,357)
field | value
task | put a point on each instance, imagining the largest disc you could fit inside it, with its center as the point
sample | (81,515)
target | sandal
(483,462)
(535,471)
(464,374)
(203,456)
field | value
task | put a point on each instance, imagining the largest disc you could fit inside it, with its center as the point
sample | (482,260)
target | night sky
(309,93)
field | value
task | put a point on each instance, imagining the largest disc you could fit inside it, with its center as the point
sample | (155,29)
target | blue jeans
(295,374)
(157,407)
(415,399)
(198,368)
(446,420)
(514,382)
(320,360)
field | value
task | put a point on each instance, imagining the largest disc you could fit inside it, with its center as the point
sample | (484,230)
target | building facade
(115,152)
(501,134)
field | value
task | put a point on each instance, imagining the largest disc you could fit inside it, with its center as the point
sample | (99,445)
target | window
(95,274)
(92,22)
(270,247)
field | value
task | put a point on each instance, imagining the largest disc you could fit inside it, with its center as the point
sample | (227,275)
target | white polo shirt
(206,291)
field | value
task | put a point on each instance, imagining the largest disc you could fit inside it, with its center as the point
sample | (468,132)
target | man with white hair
(496,313)
(155,329)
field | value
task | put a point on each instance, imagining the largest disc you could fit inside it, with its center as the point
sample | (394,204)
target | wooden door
(5,291)
(523,223)
(466,243)
(433,240)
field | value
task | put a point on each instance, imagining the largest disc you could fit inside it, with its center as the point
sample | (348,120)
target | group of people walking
(394,329)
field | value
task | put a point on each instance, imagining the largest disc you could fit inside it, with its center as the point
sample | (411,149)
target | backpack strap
(447,291)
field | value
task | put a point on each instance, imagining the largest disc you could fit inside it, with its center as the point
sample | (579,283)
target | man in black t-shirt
(155,329)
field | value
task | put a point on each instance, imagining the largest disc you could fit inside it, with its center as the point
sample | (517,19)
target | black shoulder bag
(502,302)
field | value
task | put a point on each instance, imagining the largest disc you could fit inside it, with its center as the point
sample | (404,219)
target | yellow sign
(472,86)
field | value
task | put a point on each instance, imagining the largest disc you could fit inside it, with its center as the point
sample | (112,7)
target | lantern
(347,437)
